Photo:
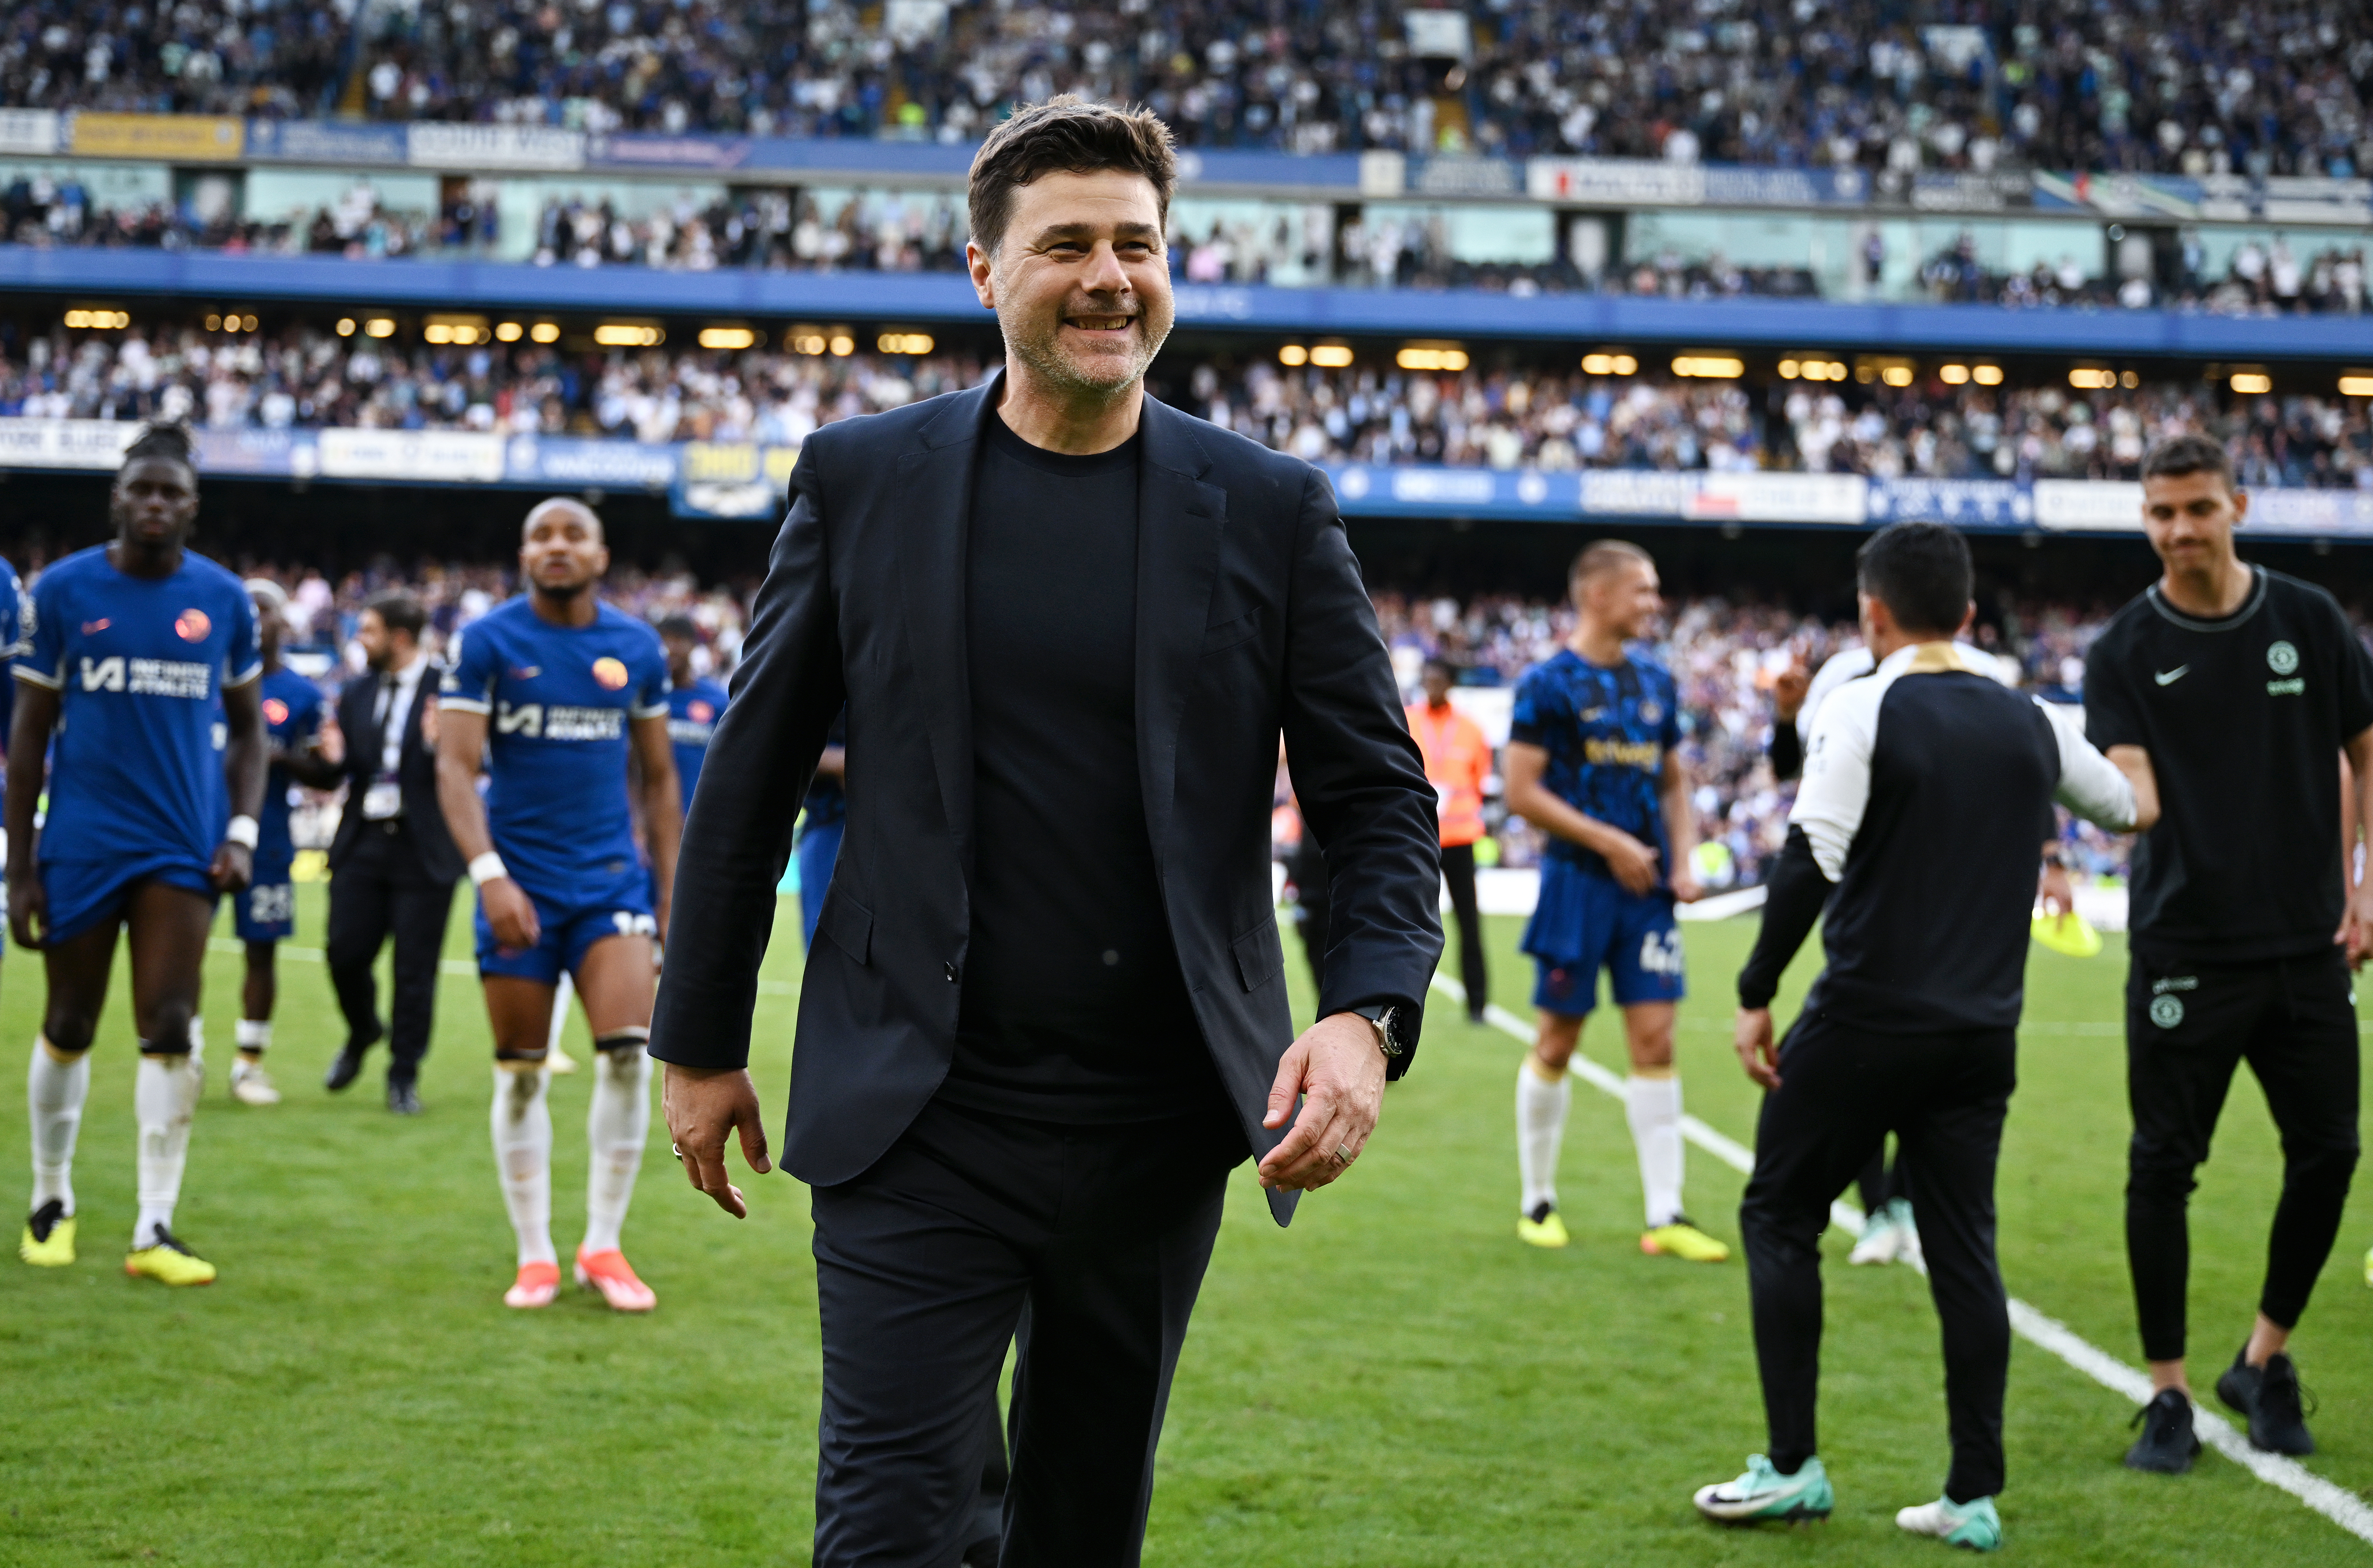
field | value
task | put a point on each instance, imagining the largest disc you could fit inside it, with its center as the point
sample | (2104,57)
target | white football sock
(522,1127)
(54,1092)
(615,1130)
(1653,1105)
(164,1097)
(560,995)
(1541,1109)
(254,1035)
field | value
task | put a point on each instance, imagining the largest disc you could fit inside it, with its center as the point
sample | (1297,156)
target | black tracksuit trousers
(1841,1092)
(2187,1026)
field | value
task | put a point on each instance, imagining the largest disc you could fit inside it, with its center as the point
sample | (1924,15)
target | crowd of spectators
(2055,432)
(37,210)
(2255,86)
(1505,417)
(2261,280)
(886,231)
(306,377)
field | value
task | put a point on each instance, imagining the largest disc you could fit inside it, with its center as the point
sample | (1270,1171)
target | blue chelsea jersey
(558,701)
(16,625)
(693,713)
(292,717)
(1607,732)
(139,665)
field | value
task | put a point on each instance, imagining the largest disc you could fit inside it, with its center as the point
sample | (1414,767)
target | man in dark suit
(393,863)
(1047,1011)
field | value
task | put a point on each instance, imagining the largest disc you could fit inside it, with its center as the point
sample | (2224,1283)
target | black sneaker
(2271,1396)
(2168,1444)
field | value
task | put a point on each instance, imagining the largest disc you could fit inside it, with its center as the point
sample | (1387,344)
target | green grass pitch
(1395,1381)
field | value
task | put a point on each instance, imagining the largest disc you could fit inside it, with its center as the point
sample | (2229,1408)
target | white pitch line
(444,965)
(2337,1504)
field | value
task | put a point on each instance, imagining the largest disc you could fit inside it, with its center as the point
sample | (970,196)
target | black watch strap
(1385,1017)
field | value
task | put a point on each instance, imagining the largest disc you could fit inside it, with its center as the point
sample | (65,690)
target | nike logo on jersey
(526,672)
(2169,677)
(99,625)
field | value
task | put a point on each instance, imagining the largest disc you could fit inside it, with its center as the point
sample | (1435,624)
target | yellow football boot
(49,1236)
(1541,1227)
(1685,1241)
(167,1261)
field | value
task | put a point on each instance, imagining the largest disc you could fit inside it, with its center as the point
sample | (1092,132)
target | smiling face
(1081,281)
(561,549)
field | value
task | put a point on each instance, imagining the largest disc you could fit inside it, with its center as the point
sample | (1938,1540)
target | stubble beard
(1104,379)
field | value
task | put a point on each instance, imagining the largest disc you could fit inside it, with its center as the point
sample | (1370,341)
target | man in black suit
(1047,1012)
(393,863)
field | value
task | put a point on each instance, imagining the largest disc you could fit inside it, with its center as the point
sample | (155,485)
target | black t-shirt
(2244,719)
(1074,1008)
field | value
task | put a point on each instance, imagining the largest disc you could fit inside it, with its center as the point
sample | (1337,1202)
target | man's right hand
(1633,863)
(512,913)
(701,1104)
(28,909)
(1750,1036)
(1789,688)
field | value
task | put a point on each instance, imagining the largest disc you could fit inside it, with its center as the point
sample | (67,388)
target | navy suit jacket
(1251,624)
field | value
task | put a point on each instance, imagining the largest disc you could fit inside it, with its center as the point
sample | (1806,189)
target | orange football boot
(610,1273)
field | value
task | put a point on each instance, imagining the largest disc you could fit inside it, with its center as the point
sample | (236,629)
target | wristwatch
(1385,1020)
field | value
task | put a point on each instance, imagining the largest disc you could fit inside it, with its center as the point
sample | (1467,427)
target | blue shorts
(266,909)
(82,894)
(1584,922)
(568,930)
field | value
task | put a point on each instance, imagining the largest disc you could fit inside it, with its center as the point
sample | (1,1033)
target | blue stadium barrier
(932,297)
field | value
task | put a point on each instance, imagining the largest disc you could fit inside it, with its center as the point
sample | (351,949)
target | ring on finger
(1344,1155)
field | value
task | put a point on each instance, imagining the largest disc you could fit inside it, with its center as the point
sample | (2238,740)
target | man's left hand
(1337,1069)
(1687,889)
(234,865)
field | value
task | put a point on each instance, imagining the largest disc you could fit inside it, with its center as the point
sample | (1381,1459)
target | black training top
(1074,1008)
(2244,719)
(1928,788)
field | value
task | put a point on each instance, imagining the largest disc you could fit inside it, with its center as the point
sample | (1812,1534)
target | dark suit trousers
(1458,880)
(1085,1242)
(382,891)
(1841,1091)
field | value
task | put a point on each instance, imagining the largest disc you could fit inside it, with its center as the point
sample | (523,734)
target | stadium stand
(2192,88)
(893,230)
(1508,417)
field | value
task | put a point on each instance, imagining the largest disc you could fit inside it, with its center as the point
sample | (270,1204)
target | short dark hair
(171,440)
(1438,662)
(679,627)
(1069,134)
(2180,455)
(400,612)
(1606,555)
(1921,572)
